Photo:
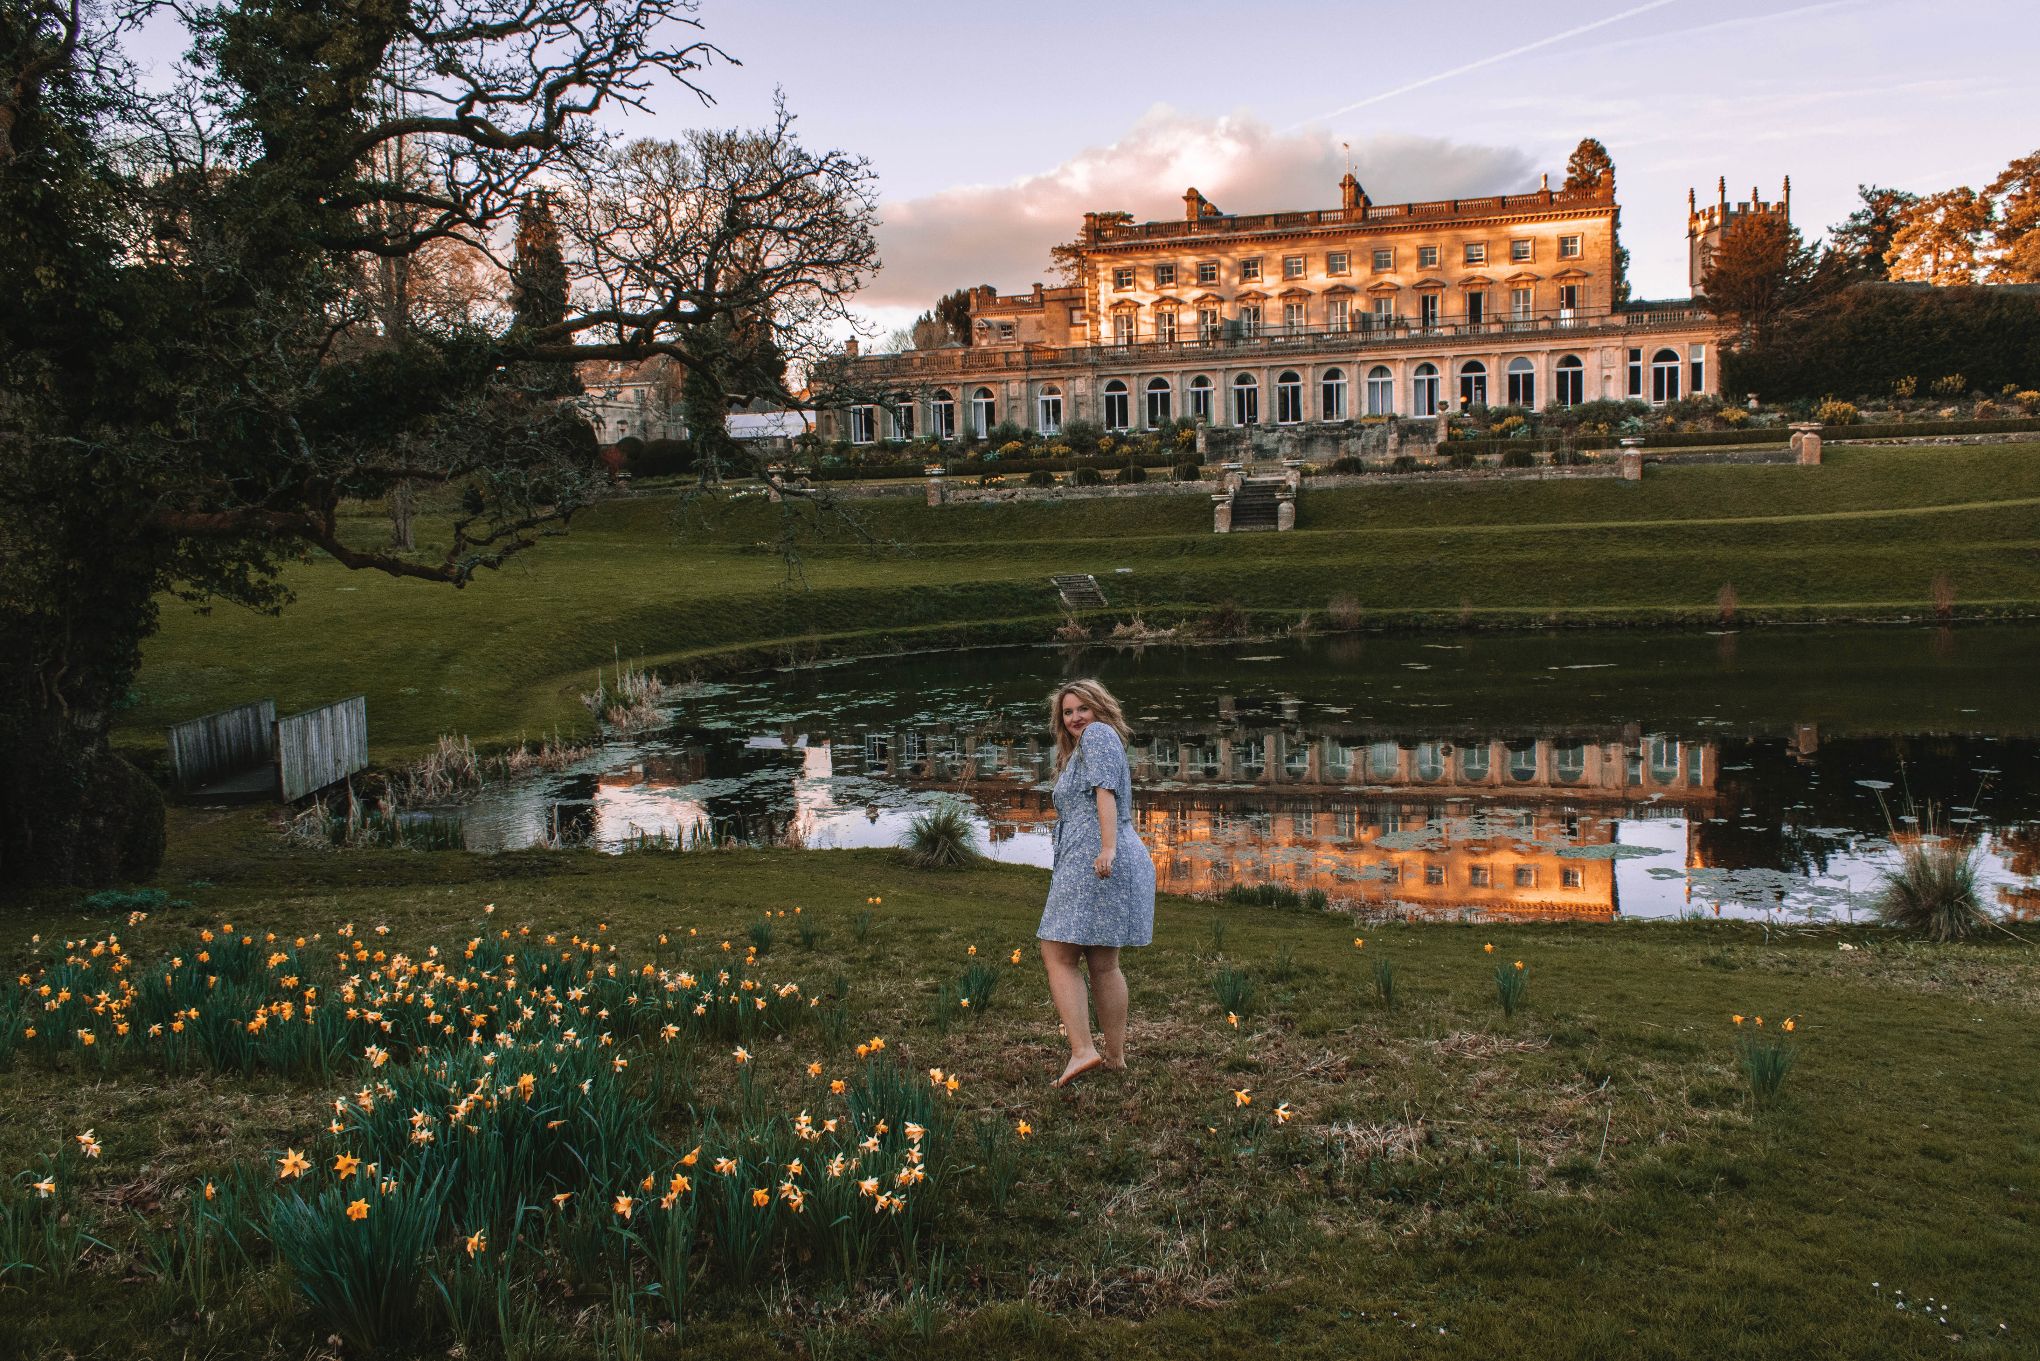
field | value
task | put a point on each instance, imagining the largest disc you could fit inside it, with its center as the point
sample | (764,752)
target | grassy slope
(1904,1152)
(1863,535)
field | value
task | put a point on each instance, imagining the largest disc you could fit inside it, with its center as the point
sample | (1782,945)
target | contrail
(1486,61)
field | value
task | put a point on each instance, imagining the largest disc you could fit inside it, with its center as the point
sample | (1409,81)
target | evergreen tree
(2015,233)
(1862,238)
(538,291)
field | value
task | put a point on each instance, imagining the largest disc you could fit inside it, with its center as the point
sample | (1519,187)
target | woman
(1102,894)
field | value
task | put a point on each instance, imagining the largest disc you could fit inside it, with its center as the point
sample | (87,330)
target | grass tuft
(942,839)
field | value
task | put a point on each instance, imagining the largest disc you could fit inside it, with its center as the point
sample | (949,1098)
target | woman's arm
(1108,831)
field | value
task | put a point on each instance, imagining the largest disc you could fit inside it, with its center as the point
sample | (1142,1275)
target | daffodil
(622,1206)
(358,1210)
(1243,1097)
(292,1164)
(345,1164)
(46,1188)
(760,1197)
(1023,1129)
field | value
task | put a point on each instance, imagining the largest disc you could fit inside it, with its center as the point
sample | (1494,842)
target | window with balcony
(1424,390)
(1384,259)
(1288,398)
(942,415)
(1572,381)
(861,421)
(1427,257)
(1569,248)
(982,412)
(1048,410)
(1200,398)
(1122,328)
(1116,405)
(1122,277)
(1165,276)
(1207,271)
(1338,314)
(1384,312)
(1246,400)
(1294,317)
(1337,262)
(1207,323)
(1519,251)
(1250,270)
(1380,391)
(1476,252)
(1250,319)
(1476,307)
(1165,326)
(1522,382)
(1292,266)
(1427,310)
(1571,297)
(1519,305)
(1160,403)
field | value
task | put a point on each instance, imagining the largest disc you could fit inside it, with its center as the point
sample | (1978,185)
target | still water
(1582,776)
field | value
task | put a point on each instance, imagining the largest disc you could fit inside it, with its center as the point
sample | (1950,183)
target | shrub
(1510,426)
(1346,463)
(1404,463)
(1012,448)
(1932,891)
(1987,410)
(1834,411)
(1903,389)
(1952,385)
(1131,473)
(1186,437)
(2029,401)
(1188,472)
(1007,433)
(1734,417)
(1461,460)
(1518,458)
(942,839)
(1041,477)
(1087,477)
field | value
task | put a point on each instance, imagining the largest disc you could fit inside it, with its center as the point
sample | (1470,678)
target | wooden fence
(321,747)
(236,739)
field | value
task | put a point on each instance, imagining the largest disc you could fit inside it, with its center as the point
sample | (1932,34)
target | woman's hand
(1102,866)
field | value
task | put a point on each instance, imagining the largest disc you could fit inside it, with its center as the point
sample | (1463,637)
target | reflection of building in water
(1497,827)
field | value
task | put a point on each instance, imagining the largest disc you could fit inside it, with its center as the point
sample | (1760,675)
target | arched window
(982,409)
(1472,383)
(1664,377)
(1337,760)
(1332,395)
(1474,761)
(1048,410)
(1424,390)
(1116,406)
(1288,397)
(1384,760)
(1569,762)
(1380,391)
(1246,400)
(1430,764)
(1522,762)
(1200,398)
(1522,382)
(942,415)
(1572,381)
(1295,757)
(1664,760)
(1160,399)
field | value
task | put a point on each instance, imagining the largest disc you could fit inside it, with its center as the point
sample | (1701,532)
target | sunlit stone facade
(1292,318)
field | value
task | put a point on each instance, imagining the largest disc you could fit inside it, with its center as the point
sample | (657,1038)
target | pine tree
(538,292)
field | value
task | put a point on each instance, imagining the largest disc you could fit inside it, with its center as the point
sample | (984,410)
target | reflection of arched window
(989,757)
(1246,400)
(1473,383)
(1424,391)
(1522,382)
(1572,381)
(1163,756)
(1664,377)
(1332,395)
(1338,760)
(1200,398)
(942,415)
(1288,397)
(1474,763)
(982,410)
(1116,406)
(1250,758)
(1048,410)
(1664,760)
(1295,758)
(1204,759)
(1380,391)
(1569,762)
(1384,760)
(1522,761)
(1430,760)
(1159,402)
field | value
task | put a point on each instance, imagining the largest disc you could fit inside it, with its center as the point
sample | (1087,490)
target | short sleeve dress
(1082,908)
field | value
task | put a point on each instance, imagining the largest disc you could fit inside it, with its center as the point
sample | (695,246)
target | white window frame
(1696,369)
(1207,271)
(902,414)
(1380,391)
(1476,307)
(1048,409)
(1200,390)
(1250,270)
(1332,395)
(1473,383)
(1666,376)
(1473,252)
(1384,311)
(1165,326)
(984,411)
(1522,250)
(1382,259)
(1429,308)
(1250,319)
(942,415)
(1165,276)
(1425,389)
(1294,266)
(863,424)
(1117,405)
(1289,398)
(1295,317)
(1158,402)
(1522,304)
(1570,381)
(1427,257)
(1210,324)
(1246,399)
(1122,328)
(1520,374)
(1338,262)
(1122,278)
(1338,314)
(1571,248)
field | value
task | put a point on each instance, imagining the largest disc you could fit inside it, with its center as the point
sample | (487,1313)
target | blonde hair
(1104,709)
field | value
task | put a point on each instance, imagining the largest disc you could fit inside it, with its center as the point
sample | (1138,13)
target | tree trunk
(401,537)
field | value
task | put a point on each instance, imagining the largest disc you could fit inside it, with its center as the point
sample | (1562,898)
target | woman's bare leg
(1066,986)
(1108,994)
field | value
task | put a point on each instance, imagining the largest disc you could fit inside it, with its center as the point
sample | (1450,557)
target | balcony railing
(1535,201)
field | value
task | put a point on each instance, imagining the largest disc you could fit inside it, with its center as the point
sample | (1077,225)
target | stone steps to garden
(1080,592)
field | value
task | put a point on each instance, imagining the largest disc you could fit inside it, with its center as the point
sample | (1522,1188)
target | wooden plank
(321,747)
(236,739)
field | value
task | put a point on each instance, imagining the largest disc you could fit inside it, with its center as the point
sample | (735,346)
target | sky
(994,127)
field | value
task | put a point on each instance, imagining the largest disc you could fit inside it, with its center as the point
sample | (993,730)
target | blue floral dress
(1082,908)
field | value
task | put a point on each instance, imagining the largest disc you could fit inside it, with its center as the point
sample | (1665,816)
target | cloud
(1000,234)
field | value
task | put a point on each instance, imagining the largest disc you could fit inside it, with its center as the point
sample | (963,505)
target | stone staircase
(1254,504)
(1082,593)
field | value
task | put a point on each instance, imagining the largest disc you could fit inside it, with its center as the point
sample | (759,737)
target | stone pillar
(1806,443)
(1632,459)
(1231,475)
(1292,472)
(774,472)
(1203,440)
(1285,510)
(938,492)
(1221,513)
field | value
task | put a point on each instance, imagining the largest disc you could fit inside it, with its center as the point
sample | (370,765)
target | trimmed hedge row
(1769,434)
(1864,339)
(862,472)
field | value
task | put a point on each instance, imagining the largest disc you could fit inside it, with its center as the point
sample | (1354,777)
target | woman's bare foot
(1117,1065)
(1079,1065)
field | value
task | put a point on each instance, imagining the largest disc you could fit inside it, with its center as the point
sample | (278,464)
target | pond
(1586,775)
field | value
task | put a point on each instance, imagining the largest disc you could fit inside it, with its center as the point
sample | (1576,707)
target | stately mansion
(1323,315)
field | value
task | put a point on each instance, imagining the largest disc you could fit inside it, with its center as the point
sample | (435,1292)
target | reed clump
(941,839)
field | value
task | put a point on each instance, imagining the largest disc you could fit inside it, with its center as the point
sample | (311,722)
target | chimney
(1544,182)
(1351,196)
(1193,204)
(850,347)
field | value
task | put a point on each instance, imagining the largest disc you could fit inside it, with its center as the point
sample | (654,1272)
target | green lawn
(1861,537)
(1587,1179)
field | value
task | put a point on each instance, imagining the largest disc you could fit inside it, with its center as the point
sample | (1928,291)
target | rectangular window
(1200,400)
(1384,311)
(1122,328)
(1335,262)
(1479,877)
(1338,314)
(1207,323)
(1427,257)
(1207,271)
(1165,276)
(860,424)
(1636,373)
(1384,259)
(1476,308)
(1568,247)
(1292,317)
(1250,270)
(1572,878)
(1519,250)
(1165,326)
(903,421)
(1076,316)
(1250,319)
(1005,330)
(1390,873)
(1476,252)
(1569,302)
(1526,876)
(1434,874)
(1696,356)
(1122,277)
(1427,310)
(1519,304)
(1292,266)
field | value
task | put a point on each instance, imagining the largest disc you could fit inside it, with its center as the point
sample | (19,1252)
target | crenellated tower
(1706,223)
